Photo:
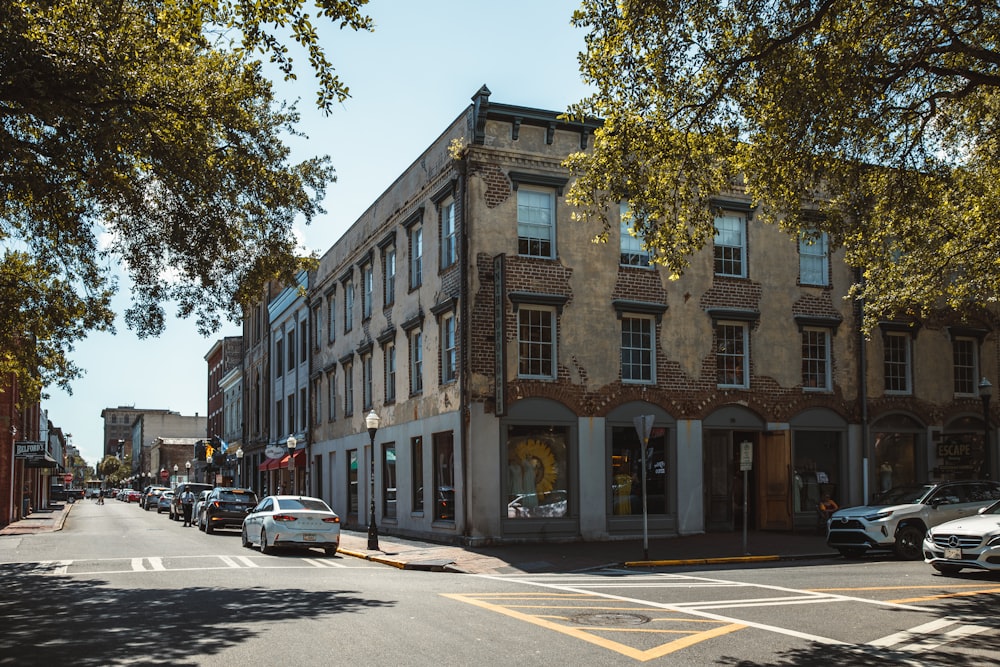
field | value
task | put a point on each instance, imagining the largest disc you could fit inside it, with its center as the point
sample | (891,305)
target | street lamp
(985,392)
(291,442)
(239,466)
(187,468)
(372,422)
(175,474)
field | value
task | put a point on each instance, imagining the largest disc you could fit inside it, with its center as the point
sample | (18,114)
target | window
(331,391)
(444,476)
(965,366)
(535,222)
(449,245)
(732,354)
(331,309)
(290,404)
(390,373)
(366,381)
(416,362)
(537,475)
(449,353)
(536,342)
(389,280)
(814,260)
(348,305)
(416,257)
(417,472)
(303,408)
(317,403)
(637,350)
(352,481)
(290,349)
(816,358)
(279,356)
(730,245)
(279,421)
(317,327)
(303,342)
(389,480)
(368,290)
(897,363)
(627,472)
(348,390)
(632,252)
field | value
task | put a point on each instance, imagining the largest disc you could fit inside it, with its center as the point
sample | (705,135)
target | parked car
(225,507)
(176,511)
(292,521)
(971,542)
(898,520)
(150,500)
(132,496)
(196,508)
(163,502)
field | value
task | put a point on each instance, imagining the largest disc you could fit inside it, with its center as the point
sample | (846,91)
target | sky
(409,79)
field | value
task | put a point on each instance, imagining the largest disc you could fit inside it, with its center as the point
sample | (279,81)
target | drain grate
(605,619)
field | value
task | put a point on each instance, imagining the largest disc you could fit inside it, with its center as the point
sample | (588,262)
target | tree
(141,134)
(875,121)
(113,470)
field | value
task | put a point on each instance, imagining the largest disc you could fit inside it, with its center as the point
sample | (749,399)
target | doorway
(723,485)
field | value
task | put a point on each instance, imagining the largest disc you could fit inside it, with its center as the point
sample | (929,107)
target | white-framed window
(632,252)
(331,327)
(897,370)
(536,342)
(368,290)
(331,391)
(416,236)
(279,357)
(536,222)
(390,372)
(290,405)
(814,260)
(366,382)
(965,365)
(303,408)
(449,238)
(290,349)
(348,305)
(732,354)
(416,339)
(816,359)
(389,279)
(449,349)
(638,350)
(348,390)
(279,418)
(317,326)
(731,244)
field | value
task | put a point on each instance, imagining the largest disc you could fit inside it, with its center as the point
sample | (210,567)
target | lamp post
(291,442)
(175,474)
(985,392)
(372,422)
(239,467)
(187,471)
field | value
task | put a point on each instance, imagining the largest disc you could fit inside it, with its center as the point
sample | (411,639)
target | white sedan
(970,542)
(292,521)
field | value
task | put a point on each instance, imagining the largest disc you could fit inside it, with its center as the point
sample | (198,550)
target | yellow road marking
(943,596)
(586,635)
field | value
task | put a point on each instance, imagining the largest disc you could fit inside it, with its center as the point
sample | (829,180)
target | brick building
(509,357)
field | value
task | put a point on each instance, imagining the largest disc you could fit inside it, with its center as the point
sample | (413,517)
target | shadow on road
(54,620)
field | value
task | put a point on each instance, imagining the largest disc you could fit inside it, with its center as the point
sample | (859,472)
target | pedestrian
(187,502)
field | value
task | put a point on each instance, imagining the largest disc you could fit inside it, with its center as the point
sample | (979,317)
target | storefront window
(960,454)
(895,459)
(816,469)
(352,481)
(626,472)
(537,472)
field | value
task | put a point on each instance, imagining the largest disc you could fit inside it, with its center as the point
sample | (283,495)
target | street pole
(372,422)
(643,428)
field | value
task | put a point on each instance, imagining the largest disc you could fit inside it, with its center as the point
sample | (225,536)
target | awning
(42,461)
(277,464)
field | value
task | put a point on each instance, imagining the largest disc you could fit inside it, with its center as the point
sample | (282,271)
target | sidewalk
(534,558)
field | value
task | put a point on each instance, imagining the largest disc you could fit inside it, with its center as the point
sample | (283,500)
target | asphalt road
(120,586)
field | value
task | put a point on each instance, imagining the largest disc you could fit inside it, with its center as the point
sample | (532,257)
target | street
(120,586)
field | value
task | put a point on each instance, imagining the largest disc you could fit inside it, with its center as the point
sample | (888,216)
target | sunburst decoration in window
(539,454)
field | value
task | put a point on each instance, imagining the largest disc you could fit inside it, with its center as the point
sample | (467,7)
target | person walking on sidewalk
(187,502)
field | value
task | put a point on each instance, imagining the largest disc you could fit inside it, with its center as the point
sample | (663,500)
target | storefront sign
(951,449)
(25,449)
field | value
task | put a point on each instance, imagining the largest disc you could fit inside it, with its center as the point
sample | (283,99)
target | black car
(226,507)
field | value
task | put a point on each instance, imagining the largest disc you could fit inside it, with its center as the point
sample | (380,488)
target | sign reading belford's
(26,448)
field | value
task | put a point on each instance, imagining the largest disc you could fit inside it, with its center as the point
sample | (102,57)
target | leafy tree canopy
(876,121)
(143,134)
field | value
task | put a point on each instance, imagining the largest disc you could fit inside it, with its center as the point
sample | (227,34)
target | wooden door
(718,481)
(774,488)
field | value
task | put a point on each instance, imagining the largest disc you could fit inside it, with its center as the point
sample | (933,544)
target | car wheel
(264,547)
(944,568)
(208,526)
(908,543)
(201,526)
(246,540)
(330,551)
(852,554)
(146,507)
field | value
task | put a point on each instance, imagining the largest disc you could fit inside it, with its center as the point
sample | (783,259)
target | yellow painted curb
(374,559)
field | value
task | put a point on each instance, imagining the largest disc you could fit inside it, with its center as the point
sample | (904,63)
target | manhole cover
(610,618)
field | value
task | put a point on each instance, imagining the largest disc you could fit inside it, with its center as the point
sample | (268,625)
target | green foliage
(137,134)
(114,470)
(874,120)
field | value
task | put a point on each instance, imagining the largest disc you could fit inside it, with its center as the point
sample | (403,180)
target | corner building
(508,356)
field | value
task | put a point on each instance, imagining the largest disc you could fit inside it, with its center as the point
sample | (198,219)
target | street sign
(164,474)
(746,455)
(68,478)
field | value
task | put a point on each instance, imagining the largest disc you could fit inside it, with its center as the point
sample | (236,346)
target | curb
(727,560)
(430,566)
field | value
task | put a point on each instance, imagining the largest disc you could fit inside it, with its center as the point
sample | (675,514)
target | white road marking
(60,566)
(929,641)
(229,562)
(156,563)
(137,565)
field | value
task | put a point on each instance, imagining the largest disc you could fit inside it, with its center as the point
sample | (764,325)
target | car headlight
(878,516)
(993,541)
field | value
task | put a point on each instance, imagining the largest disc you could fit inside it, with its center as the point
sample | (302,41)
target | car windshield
(237,496)
(904,495)
(304,504)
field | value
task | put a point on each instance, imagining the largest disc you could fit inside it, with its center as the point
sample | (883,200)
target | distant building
(152,427)
(118,430)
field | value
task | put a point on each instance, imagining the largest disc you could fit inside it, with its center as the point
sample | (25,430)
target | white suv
(901,516)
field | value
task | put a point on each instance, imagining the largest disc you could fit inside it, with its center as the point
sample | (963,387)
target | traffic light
(199,450)
(209,450)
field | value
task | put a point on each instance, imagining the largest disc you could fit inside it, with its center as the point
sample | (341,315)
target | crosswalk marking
(321,563)
(57,566)
(229,562)
(920,638)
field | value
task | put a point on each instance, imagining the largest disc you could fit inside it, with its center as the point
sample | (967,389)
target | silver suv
(900,517)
